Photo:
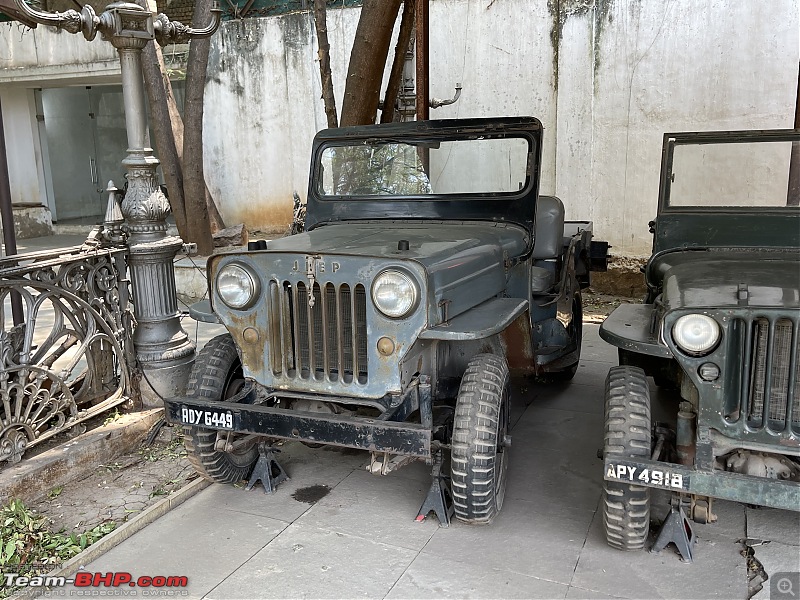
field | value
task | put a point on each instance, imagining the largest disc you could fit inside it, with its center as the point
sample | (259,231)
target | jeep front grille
(325,341)
(773,377)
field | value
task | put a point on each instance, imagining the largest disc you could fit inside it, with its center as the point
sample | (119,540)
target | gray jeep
(429,267)
(719,331)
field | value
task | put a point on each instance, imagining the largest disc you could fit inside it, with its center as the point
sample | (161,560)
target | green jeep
(720,326)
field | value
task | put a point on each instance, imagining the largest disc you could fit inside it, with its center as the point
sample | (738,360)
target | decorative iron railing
(71,357)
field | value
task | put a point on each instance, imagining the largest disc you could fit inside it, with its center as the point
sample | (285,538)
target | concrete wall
(45,56)
(262,109)
(607,79)
(26,174)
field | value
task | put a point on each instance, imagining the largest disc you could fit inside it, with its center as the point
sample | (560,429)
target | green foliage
(172,450)
(28,547)
(115,416)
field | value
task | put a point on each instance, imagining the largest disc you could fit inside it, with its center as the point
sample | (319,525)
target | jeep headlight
(394,293)
(236,285)
(696,334)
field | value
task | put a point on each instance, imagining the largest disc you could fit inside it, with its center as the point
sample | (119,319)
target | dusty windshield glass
(399,168)
(740,175)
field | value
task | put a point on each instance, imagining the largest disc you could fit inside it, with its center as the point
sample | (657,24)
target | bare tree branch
(367,61)
(321,22)
(194,185)
(396,76)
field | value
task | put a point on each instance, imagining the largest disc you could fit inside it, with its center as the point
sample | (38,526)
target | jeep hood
(465,261)
(709,279)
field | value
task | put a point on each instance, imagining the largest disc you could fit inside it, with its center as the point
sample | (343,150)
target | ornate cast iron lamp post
(163,349)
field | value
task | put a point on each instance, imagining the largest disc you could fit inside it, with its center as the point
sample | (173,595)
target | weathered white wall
(685,65)
(45,56)
(262,109)
(25,171)
(606,80)
(606,77)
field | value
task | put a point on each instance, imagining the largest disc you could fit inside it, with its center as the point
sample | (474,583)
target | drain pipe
(7,214)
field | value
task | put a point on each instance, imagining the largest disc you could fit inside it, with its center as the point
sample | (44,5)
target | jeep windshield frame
(673,141)
(516,206)
(687,226)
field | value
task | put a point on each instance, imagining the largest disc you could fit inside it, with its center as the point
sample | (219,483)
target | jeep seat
(548,237)
(547,242)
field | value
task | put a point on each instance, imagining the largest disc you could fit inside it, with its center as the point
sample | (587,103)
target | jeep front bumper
(716,484)
(239,415)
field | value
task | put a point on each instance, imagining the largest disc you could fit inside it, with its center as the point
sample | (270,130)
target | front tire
(626,507)
(217,375)
(479,456)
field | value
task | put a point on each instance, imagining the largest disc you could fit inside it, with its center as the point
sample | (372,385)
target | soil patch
(120,490)
(597,305)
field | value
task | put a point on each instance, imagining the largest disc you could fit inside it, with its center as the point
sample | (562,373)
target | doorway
(86,139)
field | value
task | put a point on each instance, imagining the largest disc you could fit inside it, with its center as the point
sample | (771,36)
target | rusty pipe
(436,103)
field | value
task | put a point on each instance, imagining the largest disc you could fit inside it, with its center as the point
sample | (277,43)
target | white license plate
(643,476)
(207,418)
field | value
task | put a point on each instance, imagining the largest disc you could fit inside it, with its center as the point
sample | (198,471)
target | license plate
(217,419)
(663,478)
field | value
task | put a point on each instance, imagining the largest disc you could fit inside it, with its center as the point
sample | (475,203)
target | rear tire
(626,507)
(217,375)
(479,456)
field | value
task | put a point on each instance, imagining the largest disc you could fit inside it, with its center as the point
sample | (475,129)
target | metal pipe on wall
(423,59)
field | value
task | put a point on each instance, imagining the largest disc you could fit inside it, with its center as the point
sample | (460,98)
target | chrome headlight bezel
(408,306)
(700,341)
(251,286)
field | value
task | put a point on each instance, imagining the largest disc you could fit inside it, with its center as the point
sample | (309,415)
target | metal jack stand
(677,528)
(267,470)
(439,498)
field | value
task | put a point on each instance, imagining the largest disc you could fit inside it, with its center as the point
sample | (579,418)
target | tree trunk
(321,22)
(215,218)
(168,146)
(396,76)
(367,61)
(194,185)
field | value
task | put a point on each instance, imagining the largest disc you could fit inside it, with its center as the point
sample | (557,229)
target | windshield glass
(741,175)
(407,168)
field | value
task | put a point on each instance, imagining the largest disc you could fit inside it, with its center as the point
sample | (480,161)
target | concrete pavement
(335,531)
(359,538)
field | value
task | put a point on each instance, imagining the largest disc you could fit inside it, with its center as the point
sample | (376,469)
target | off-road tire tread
(475,438)
(626,507)
(207,380)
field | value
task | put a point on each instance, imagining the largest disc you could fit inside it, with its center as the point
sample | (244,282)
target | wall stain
(560,11)
(603,16)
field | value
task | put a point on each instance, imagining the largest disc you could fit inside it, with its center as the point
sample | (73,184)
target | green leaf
(10,548)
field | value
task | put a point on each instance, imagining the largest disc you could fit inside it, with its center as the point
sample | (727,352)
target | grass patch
(29,548)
